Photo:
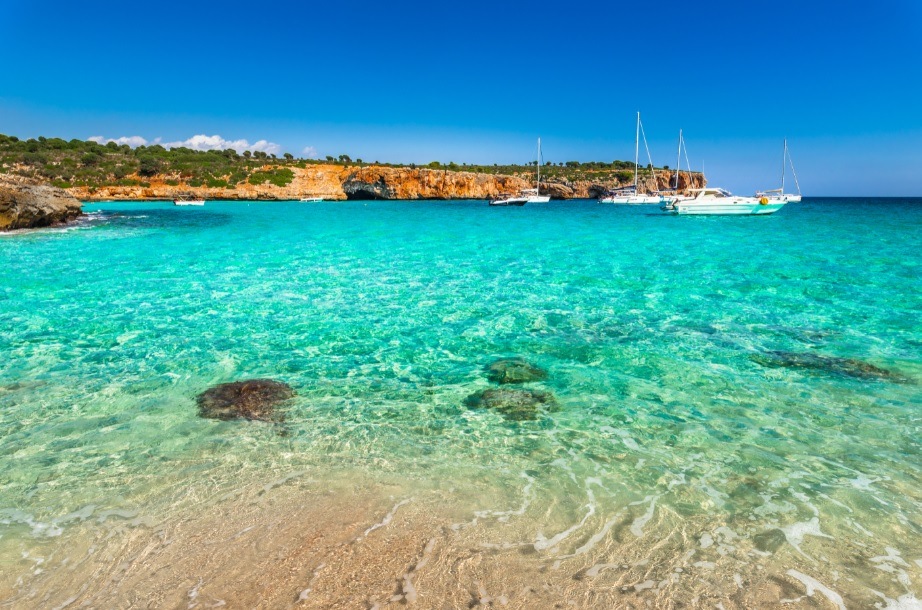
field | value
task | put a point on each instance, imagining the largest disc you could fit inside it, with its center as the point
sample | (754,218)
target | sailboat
(778,195)
(629,194)
(526,195)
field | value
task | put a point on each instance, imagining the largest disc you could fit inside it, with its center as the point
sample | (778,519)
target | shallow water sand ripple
(674,468)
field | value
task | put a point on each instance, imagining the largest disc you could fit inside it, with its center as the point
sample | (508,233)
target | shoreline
(376,543)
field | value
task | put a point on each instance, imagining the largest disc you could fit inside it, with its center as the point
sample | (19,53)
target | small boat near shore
(629,194)
(508,200)
(188,200)
(525,195)
(311,199)
(775,195)
(720,202)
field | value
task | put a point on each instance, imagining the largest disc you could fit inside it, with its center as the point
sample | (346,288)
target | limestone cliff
(337,182)
(26,204)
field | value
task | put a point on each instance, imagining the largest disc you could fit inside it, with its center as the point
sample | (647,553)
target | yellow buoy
(763,201)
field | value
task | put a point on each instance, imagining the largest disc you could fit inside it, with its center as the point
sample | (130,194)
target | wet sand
(362,543)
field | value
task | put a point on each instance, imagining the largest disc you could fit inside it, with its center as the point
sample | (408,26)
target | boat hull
(738,208)
(538,198)
(635,199)
(189,202)
(512,201)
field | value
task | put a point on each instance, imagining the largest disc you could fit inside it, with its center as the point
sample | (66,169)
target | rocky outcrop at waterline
(26,204)
(338,182)
(250,399)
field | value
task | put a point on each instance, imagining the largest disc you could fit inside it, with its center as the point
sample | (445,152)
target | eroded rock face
(338,182)
(249,399)
(849,367)
(25,204)
(375,188)
(513,403)
(514,370)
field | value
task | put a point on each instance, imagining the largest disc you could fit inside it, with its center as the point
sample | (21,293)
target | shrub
(150,166)
(278,176)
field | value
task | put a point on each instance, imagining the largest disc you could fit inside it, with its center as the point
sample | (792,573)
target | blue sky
(479,81)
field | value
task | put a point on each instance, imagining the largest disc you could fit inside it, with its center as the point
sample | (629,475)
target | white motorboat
(717,201)
(525,195)
(509,200)
(629,194)
(775,195)
(311,199)
(188,201)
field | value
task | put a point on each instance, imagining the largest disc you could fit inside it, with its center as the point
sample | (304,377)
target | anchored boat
(525,195)
(188,200)
(717,201)
(629,194)
(779,194)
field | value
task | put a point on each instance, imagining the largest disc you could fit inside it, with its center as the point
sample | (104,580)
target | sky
(479,81)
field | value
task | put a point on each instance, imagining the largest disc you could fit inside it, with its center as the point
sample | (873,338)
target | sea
(731,414)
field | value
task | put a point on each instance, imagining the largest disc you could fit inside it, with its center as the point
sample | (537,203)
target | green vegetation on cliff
(84,163)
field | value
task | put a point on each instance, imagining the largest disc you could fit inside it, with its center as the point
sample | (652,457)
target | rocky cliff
(337,182)
(26,204)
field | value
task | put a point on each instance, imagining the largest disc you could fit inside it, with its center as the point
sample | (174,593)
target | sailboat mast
(538,165)
(784,161)
(793,171)
(678,161)
(636,151)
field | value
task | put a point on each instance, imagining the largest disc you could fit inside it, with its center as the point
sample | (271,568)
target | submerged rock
(514,370)
(769,541)
(250,399)
(850,367)
(513,403)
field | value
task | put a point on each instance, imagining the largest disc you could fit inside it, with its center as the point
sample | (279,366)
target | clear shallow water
(382,315)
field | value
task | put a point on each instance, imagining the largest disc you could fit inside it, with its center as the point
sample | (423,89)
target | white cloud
(132,141)
(197,142)
(203,142)
(309,152)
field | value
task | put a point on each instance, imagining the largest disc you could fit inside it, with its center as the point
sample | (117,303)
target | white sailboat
(534,195)
(774,195)
(629,194)
(525,195)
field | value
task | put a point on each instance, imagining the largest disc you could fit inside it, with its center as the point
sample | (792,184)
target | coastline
(338,183)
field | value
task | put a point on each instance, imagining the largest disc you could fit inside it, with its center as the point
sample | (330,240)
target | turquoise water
(382,315)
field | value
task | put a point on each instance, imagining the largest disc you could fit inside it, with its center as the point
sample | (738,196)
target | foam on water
(671,440)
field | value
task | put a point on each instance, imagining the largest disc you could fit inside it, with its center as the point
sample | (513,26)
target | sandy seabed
(357,543)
